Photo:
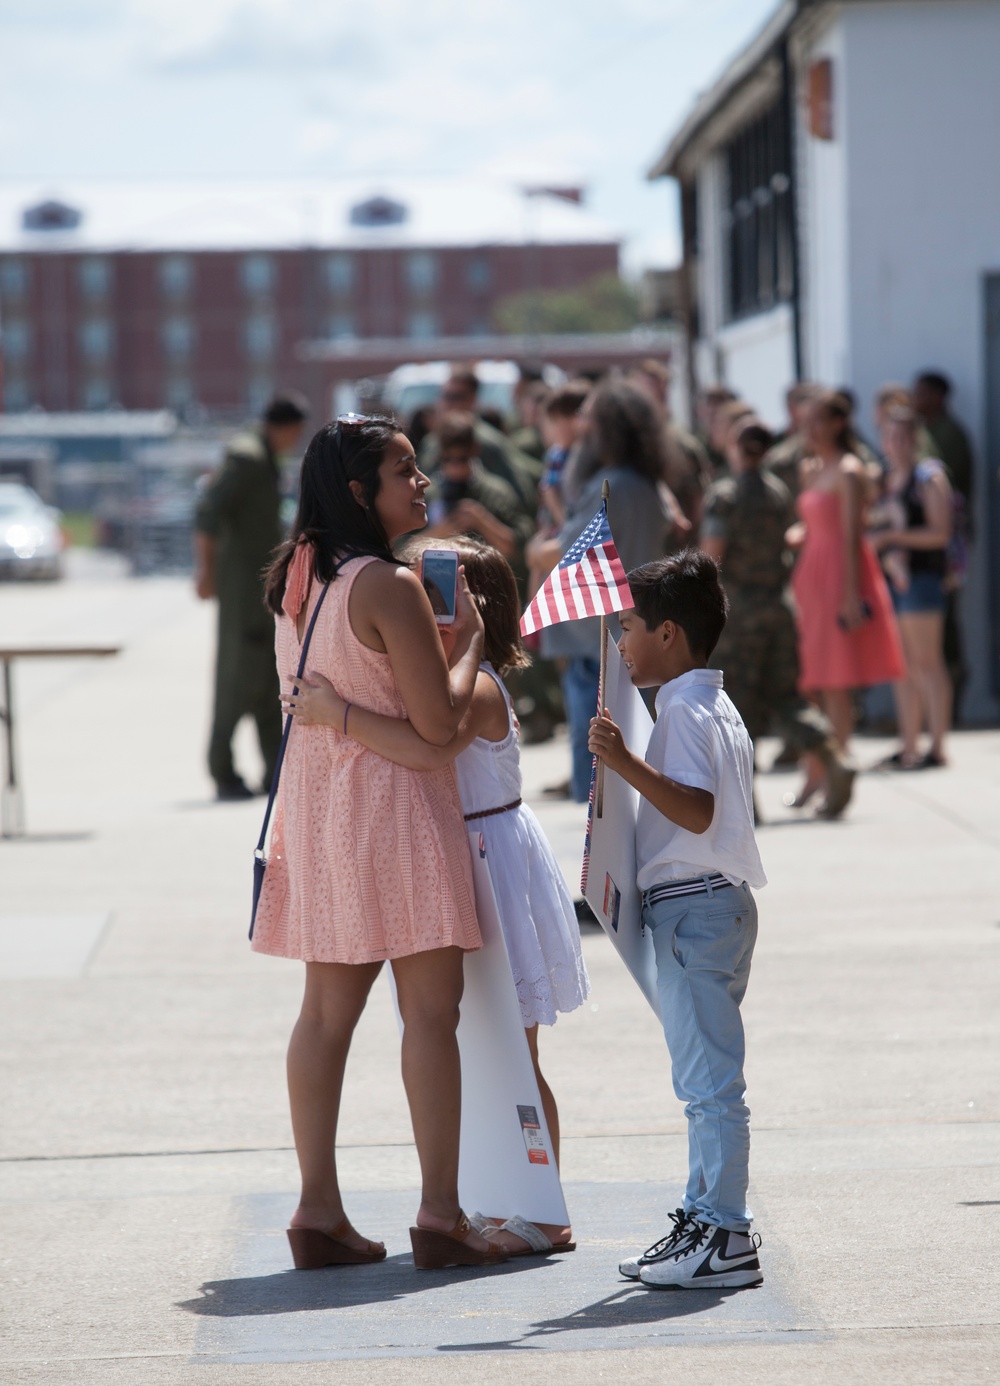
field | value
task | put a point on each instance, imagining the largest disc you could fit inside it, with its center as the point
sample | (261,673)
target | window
(340,274)
(95,339)
(176,275)
(259,391)
(478,273)
(421,271)
(423,325)
(177,336)
(16,395)
(342,326)
(14,278)
(258,274)
(758,216)
(94,276)
(96,394)
(16,340)
(51,216)
(180,394)
(259,335)
(378,211)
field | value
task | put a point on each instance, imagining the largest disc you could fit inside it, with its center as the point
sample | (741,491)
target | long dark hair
(834,404)
(328,515)
(625,431)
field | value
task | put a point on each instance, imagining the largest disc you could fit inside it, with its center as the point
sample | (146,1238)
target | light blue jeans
(581,684)
(704,944)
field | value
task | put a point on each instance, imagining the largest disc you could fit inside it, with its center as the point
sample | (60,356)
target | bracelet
(347,708)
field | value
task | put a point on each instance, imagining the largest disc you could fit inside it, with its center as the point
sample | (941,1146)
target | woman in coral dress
(848,636)
(369,861)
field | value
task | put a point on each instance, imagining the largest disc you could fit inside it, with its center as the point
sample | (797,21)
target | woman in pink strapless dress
(369,861)
(848,636)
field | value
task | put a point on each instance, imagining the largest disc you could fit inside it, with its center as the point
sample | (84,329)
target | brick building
(197,297)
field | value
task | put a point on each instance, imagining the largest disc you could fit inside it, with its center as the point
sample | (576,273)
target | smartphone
(439,575)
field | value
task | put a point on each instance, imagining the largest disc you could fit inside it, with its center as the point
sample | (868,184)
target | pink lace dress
(368,860)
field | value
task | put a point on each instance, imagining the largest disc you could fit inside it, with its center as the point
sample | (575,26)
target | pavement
(146,1167)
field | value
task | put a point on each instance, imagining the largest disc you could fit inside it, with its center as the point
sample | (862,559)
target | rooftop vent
(378,211)
(51,216)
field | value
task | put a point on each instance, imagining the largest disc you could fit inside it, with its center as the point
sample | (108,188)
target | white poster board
(609,854)
(506,1162)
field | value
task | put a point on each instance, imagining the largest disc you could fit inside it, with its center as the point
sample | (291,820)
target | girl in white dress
(536,911)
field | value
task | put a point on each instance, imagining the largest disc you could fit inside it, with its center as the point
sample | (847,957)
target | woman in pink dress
(848,636)
(369,861)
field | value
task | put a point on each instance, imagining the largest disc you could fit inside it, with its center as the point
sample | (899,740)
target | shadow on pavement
(51,837)
(336,1287)
(630,1305)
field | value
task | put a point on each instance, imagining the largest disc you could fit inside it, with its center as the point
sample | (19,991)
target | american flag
(590,581)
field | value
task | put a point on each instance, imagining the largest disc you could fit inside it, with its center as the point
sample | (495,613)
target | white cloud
(564,91)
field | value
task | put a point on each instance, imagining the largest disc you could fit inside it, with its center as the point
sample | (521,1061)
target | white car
(31,537)
(409,388)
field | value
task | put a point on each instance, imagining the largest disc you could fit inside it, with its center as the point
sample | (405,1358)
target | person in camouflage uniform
(745,520)
(237,528)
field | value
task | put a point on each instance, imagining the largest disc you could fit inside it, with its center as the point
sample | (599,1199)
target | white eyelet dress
(536,909)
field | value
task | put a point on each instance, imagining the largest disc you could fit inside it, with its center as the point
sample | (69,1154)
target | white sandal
(538,1242)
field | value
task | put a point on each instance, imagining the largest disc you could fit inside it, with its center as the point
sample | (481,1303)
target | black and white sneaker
(666,1246)
(708,1258)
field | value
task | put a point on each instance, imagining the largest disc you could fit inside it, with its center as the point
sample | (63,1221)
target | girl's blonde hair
(491,582)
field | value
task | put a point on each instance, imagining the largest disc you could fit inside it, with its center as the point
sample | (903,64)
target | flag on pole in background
(590,581)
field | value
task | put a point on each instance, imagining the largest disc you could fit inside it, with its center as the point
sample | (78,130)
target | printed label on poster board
(612,902)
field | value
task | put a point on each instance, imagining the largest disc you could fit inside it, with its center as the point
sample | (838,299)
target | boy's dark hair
(457,431)
(567,402)
(685,589)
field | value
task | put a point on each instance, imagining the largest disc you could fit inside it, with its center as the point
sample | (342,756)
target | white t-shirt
(699,740)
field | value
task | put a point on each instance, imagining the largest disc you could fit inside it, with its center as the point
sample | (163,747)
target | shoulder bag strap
(259,851)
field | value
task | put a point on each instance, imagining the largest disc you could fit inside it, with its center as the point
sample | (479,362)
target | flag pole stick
(599,795)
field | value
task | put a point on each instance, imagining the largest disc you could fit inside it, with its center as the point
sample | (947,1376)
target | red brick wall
(302,305)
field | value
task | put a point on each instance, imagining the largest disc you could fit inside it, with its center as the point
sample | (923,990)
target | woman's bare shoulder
(383,580)
(852,466)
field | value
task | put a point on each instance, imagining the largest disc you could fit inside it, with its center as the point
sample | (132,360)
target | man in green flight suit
(745,519)
(237,528)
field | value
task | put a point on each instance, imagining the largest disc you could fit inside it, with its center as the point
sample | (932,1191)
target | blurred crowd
(842,556)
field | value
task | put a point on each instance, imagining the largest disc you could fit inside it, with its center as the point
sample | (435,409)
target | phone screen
(439,575)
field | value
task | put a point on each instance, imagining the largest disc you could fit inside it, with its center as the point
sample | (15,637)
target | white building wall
(823,247)
(758,361)
(920,94)
(711,240)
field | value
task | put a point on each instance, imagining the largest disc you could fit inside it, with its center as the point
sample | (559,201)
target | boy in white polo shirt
(697,860)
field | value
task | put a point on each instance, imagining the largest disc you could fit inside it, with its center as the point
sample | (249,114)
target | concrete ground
(146,1169)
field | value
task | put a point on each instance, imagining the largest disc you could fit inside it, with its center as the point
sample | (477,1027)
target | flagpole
(599,796)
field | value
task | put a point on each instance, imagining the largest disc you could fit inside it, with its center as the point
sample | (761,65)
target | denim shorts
(925,594)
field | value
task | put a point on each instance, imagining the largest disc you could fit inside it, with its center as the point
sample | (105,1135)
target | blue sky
(551,90)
